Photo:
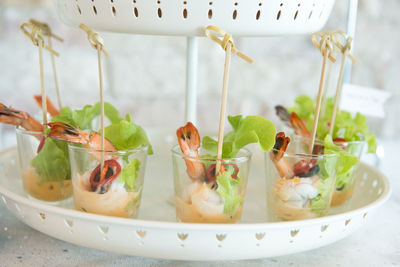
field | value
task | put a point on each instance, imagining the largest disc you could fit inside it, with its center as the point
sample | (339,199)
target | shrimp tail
(95,143)
(51,108)
(189,139)
(292,120)
(281,144)
(15,117)
(189,142)
(299,126)
(283,167)
(66,132)
(283,114)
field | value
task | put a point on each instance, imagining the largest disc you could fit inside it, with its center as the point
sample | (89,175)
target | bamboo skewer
(42,88)
(326,88)
(46,30)
(318,105)
(326,48)
(96,42)
(222,113)
(36,36)
(345,50)
(227,44)
(53,65)
(101,104)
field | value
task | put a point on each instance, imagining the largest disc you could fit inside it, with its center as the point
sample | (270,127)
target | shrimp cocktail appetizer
(208,190)
(45,166)
(348,133)
(44,163)
(109,181)
(41,176)
(299,184)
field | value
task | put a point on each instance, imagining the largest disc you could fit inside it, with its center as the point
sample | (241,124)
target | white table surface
(375,244)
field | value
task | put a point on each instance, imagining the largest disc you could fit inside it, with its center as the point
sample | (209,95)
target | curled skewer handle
(324,44)
(343,43)
(94,38)
(36,36)
(46,30)
(227,38)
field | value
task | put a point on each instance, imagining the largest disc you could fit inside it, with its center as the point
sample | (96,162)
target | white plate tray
(189,18)
(156,234)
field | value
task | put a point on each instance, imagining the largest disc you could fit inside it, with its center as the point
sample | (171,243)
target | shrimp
(100,178)
(51,109)
(292,120)
(66,132)
(12,116)
(207,201)
(298,183)
(189,142)
(297,191)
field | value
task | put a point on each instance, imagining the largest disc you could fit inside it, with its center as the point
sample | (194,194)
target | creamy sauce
(201,204)
(115,202)
(290,199)
(47,191)
(187,212)
(340,197)
(286,211)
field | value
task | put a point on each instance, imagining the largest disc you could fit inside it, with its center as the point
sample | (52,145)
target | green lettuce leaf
(126,135)
(227,189)
(346,161)
(341,180)
(346,126)
(251,129)
(304,107)
(84,117)
(344,169)
(319,204)
(52,162)
(129,174)
(210,144)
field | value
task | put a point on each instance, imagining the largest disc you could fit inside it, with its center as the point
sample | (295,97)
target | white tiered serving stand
(189,18)
(156,233)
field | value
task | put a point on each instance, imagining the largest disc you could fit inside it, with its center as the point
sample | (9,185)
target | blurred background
(145,75)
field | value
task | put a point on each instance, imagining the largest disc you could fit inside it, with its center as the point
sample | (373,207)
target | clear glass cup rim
(138,149)
(21,130)
(361,142)
(176,151)
(304,155)
(297,139)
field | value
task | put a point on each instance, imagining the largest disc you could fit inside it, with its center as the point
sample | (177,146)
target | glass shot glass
(299,185)
(200,196)
(344,186)
(115,189)
(44,166)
